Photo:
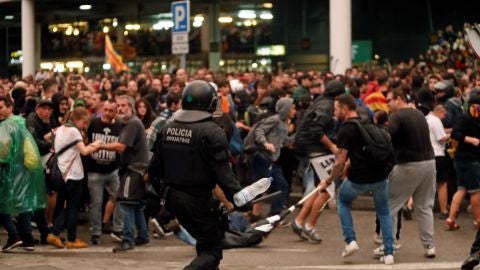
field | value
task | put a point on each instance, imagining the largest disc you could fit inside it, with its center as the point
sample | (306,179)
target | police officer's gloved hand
(245,208)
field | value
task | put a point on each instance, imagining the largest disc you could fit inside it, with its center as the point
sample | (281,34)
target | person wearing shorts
(467,164)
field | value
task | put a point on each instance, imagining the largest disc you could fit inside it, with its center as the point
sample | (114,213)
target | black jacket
(193,158)
(316,122)
(38,129)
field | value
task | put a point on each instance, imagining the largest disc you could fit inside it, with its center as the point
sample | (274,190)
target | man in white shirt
(439,138)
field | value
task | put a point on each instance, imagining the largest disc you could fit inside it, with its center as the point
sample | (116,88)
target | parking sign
(181,16)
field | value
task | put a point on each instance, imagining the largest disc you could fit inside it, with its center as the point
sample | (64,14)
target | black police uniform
(191,158)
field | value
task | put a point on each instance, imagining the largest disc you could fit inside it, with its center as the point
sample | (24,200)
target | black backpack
(378,148)
(53,175)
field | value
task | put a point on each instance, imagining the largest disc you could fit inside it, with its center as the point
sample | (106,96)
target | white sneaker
(351,248)
(388,260)
(156,227)
(379,252)
(430,251)
(378,238)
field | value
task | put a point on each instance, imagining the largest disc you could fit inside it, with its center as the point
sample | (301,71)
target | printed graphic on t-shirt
(104,156)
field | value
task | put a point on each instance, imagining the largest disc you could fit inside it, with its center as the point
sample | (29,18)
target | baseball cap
(45,102)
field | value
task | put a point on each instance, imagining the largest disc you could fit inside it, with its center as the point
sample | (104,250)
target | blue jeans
(133,217)
(97,182)
(348,192)
(262,166)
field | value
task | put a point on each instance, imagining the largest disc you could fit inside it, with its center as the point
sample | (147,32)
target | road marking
(379,266)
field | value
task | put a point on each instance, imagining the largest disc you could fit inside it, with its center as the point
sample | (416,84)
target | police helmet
(199,100)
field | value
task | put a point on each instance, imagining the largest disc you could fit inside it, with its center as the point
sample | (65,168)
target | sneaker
(141,242)
(95,240)
(430,251)
(387,260)
(472,261)
(76,244)
(451,225)
(124,246)
(311,235)
(28,246)
(380,251)
(55,241)
(378,238)
(11,244)
(297,229)
(156,226)
(117,236)
(351,248)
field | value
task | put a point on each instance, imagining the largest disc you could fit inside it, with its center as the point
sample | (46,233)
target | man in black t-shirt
(362,177)
(132,147)
(103,173)
(414,171)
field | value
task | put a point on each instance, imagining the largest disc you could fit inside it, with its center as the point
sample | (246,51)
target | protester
(363,176)
(22,183)
(133,151)
(414,170)
(69,197)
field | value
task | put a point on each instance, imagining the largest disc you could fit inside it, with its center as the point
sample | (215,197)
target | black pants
(41,219)
(476,243)
(71,194)
(399,225)
(201,218)
(23,228)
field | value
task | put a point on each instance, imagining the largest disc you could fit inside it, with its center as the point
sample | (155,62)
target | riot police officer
(191,157)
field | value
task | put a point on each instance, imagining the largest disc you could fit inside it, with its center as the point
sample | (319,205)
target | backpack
(54,176)
(253,114)
(378,148)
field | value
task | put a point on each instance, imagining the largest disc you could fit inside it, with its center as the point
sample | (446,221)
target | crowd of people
(106,129)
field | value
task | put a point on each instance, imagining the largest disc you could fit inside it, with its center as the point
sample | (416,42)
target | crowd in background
(441,86)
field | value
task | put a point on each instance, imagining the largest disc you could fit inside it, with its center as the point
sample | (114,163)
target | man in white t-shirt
(439,138)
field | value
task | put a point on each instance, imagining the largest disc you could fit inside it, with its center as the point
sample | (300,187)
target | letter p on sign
(181,16)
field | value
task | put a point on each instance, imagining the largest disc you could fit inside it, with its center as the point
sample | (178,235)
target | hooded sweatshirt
(274,129)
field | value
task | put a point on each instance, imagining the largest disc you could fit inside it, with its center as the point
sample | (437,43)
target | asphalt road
(281,250)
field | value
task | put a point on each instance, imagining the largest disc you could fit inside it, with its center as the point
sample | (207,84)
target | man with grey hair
(133,151)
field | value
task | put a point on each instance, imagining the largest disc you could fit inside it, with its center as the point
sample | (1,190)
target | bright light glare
(163,25)
(266,16)
(247,14)
(225,19)
(85,7)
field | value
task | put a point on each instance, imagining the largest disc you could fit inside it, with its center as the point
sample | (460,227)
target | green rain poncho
(22,181)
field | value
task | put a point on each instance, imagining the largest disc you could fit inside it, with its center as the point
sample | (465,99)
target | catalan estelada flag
(112,57)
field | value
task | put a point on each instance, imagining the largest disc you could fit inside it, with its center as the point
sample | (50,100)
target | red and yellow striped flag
(112,57)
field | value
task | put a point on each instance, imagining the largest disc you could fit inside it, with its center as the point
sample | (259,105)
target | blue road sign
(181,16)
